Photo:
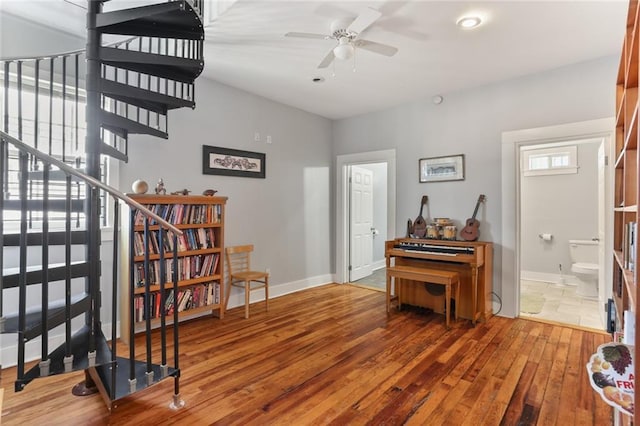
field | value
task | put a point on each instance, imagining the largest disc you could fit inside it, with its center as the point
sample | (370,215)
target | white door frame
(511,143)
(342,203)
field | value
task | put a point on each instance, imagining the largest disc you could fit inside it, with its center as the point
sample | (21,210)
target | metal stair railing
(29,154)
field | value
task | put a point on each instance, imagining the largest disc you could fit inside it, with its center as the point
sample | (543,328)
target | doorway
(562,210)
(384,197)
(512,141)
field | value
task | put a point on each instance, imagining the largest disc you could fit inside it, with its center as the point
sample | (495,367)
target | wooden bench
(433,276)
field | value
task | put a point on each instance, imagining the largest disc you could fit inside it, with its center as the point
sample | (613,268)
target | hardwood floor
(331,355)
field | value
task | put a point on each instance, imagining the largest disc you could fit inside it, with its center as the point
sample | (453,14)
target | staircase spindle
(64,109)
(176,380)
(20,135)
(5,146)
(68,360)
(132,305)
(163,319)
(44,359)
(36,117)
(77,102)
(22,280)
(114,296)
(147,301)
(51,65)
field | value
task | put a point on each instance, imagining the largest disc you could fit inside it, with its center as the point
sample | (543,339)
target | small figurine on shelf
(209,192)
(160,189)
(181,192)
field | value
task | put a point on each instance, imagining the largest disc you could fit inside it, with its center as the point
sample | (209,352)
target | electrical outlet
(268,271)
(268,138)
(256,137)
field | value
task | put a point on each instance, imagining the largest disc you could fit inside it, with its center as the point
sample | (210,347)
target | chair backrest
(238,258)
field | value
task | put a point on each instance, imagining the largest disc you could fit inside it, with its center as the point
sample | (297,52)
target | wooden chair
(241,275)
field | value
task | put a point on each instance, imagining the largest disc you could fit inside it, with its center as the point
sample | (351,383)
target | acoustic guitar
(420,225)
(471,230)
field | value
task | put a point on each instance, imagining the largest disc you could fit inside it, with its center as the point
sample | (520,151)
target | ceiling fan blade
(308,35)
(327,60)
(372,46)
(366,18)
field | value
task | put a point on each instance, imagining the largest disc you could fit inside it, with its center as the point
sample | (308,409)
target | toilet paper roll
(546,237)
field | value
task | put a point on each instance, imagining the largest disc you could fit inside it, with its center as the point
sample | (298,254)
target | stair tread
(33,268)
(153,101)
(122,376)
(57,272)
(79,349)
(55,238)
(183,70)
(56,316)
(175,19)
(110,121)
(58,205)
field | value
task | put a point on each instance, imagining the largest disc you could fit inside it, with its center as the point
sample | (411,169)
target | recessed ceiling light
(468,22)
(317,79)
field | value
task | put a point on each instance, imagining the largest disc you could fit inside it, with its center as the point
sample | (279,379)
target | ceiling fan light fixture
(468,22)
(344,50)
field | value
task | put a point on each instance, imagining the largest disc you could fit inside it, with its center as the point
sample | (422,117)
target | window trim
(572,168)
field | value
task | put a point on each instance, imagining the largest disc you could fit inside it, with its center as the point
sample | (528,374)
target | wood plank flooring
(331,355)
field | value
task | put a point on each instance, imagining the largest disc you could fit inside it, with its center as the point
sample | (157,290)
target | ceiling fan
(346,32)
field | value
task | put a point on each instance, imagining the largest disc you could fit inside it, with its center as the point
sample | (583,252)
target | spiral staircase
(54,200)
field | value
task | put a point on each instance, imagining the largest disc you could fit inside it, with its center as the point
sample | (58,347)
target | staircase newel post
(92,147)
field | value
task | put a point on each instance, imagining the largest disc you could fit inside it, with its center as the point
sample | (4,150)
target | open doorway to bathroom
(562,217)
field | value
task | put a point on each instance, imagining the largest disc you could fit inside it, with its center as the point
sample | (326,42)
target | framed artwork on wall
(441,169)
(233,162)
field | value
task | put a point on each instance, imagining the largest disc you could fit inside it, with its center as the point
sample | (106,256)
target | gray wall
(287,215)
(560,205)
(471,122)
(24,39)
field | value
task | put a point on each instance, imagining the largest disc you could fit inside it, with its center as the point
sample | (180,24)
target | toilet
(584,265)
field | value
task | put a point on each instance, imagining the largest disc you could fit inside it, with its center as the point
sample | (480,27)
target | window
(550,161)
(49,135)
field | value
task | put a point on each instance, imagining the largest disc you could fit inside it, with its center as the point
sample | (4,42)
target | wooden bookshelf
(200,257)
(625,210)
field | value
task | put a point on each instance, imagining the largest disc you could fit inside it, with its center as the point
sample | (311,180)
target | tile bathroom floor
(563,305)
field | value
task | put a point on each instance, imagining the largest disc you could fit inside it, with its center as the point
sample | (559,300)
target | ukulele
(470,232)
(420,225)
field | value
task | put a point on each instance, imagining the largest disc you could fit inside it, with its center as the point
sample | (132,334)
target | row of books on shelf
(178,214)
(629,245)
(189,267)
(191,239)
(188,298)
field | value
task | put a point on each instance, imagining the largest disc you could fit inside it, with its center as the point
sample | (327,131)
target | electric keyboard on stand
(472,260)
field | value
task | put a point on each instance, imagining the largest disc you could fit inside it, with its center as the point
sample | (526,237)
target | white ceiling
(245,46)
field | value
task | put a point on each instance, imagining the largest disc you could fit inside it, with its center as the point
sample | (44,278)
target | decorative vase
(140,187)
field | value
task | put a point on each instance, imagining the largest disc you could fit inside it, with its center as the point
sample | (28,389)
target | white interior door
(361,223)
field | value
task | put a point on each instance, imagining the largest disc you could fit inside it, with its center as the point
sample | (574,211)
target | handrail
(69,53)
(90,180)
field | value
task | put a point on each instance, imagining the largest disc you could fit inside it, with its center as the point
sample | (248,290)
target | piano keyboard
(441,250)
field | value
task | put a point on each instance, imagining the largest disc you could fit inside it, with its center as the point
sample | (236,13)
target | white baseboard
(549,278)
(237,297)
(378,264)
(9,347)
